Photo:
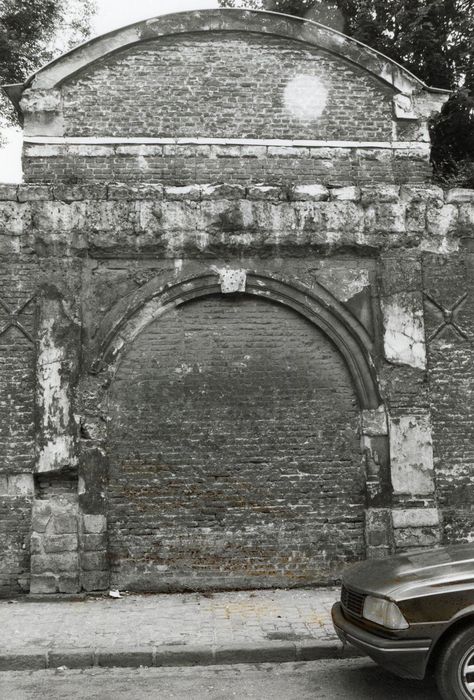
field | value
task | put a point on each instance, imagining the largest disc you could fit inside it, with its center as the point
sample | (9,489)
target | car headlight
(384,613)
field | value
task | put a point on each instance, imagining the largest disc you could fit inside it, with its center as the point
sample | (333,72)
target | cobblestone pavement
(137,621)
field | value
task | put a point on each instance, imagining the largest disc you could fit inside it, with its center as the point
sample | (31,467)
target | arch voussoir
(131,315)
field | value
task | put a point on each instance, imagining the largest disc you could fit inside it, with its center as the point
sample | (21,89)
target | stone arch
(319,306)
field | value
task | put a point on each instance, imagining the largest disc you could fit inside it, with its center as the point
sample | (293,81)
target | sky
(110,15)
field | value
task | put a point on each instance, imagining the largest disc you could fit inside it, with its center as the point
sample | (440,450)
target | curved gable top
(255,21)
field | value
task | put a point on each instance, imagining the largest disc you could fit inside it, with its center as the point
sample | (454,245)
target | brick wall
(183,165)
(235,452)
(17,366)
(230,85)
(448,286)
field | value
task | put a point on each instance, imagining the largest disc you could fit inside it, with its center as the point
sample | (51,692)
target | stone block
(224,151)
(380,193)
(44,150)
(223,192)
(415,517)
(36,544)
(34,193)
(94,542)
(59,543)
(417,537)
(265,192)
(54,563)
(95,580)
(378,552)
(115,658)
(342,218)
(378,519)
(377,538)
(41,516)
(183,655)
(441,219)
(122,191)
(182,150)
(459,196)
(75,193)
(374,422)
(288,152)
(68,583)
(422,193)
(65,523)
(386,218)
(94,524)
(253,151)
(21,485)
(93,150)
(309,193)
(71,658)
(22,661)
(411,455)
(8,193)
(45,583)
(404,330)
(252,652)
(187,193)
(345,194)
(94,561)
(416,217)
(466,217)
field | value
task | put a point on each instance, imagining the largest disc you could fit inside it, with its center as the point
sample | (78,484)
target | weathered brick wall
(17,364)
(449,314)
(16,497)
(17,429)
(227,85)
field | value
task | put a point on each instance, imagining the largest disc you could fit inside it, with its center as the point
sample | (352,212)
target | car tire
(452,676)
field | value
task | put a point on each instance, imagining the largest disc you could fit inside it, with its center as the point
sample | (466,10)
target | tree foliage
(434,39)
(33,32)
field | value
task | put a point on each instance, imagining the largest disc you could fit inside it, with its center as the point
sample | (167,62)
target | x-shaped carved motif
(449,317)
(13,318)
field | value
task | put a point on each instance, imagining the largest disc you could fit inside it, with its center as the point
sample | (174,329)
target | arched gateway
(234,445)
(233,248)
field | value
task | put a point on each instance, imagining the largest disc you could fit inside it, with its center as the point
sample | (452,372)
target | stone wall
(98,260)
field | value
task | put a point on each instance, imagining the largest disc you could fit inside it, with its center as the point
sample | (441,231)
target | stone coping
(235,20)
(23,193)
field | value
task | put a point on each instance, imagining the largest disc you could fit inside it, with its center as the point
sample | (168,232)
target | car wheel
(455,667)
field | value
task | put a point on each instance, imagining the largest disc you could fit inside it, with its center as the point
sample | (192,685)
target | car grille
(352,601)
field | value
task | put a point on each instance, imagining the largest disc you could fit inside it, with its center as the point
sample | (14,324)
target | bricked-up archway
(234,439)
(318,305)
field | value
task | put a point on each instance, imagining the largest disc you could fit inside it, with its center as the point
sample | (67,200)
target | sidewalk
(169,630)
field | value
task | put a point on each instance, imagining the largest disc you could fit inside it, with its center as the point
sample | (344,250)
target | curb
(177,655)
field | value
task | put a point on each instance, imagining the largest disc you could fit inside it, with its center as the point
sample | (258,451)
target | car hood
(414,574)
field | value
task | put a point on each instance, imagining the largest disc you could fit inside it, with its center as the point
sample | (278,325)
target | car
(414,615)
